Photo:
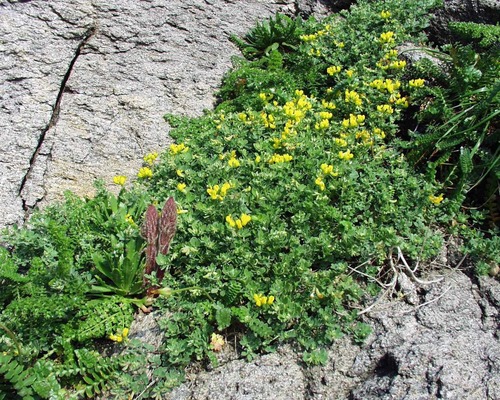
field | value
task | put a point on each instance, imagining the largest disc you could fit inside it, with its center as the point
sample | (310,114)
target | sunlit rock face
(84,86)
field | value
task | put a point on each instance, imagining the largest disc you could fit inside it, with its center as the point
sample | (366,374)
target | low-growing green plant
(278,32)
(483,35)
(289,200)
(283,190)
(71,277)
(458,137)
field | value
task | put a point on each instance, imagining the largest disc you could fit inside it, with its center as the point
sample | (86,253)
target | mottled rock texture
(83,89)
(445,346)
(84,85)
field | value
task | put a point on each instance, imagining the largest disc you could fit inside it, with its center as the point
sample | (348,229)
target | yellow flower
(278,158)
(320,183)
(436,199)
(116,338)
(261,300)
(213,191)
(145,173)
(230,221)
(180,173)
(387,37)
(385,108)
(245,219)
(346,155)
(328,104)
(178,148)
(323,124)
(385,14)
(353,121)
(181,211)
(257,159)
(119,180)
(400,64)
(341,142)
(349,73)
(416,83)
(129,219)
(308,38)
(225,187)
(240,222)
(125,332)
(353,97)
(334,69)
(233,161)
(327,169)
(181,187)
(150,158)
(325,115)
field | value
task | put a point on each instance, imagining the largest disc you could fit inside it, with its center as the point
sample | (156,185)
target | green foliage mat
(291,197)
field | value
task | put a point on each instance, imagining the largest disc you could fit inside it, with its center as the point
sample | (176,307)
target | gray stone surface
(444,347)
(481,11)
(84,85)
(83,89)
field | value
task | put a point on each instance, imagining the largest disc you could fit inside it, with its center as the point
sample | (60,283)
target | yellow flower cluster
(280,158)
(391,54)
(129,219)
(353,121)
(240,222)
(309,38)
(328,105)
(416,83)
(325,170)
(346,155)
(365,136)
(385,14)
(217,192)
(315,52)
(385,109)
(119,180)
(320,183)
(387,84)
(268,119)
(386,38)
(398,100)
(233,161)
(399,64)
(181,187)
(323,124)
(334,69)
(341,141)
(150,158)
(261,300)
(265,97)
(436,199)
(178,148)
(145,173)
(352,96)
(119,337)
